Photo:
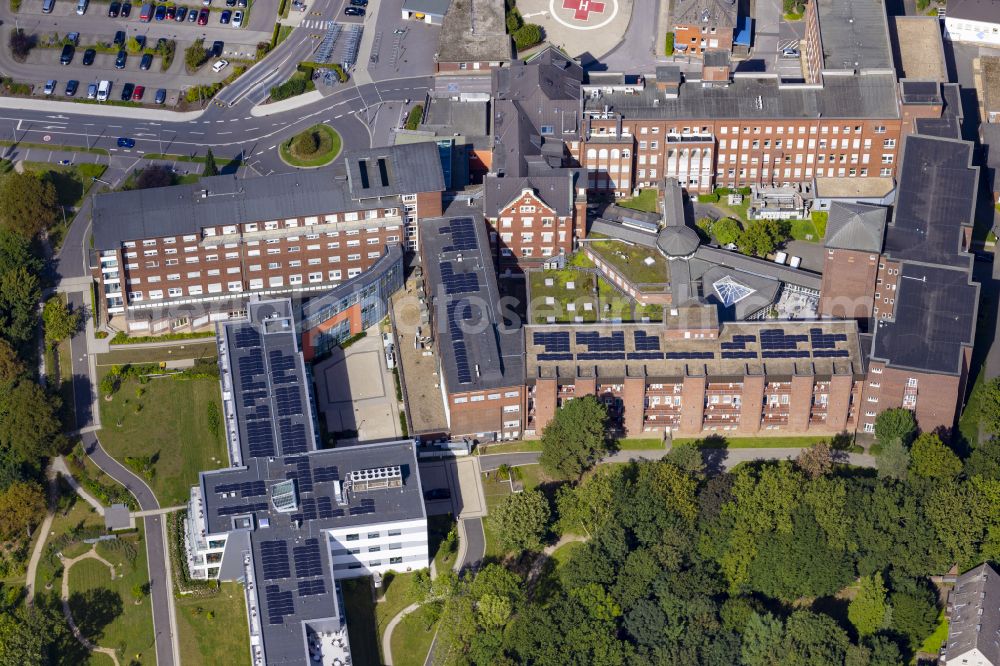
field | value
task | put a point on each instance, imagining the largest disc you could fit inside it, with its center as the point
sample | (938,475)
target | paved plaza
(580,26)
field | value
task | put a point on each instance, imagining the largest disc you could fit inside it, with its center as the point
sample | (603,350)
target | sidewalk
(51,106)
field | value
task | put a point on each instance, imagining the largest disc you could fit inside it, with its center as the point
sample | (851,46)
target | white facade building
(973,21)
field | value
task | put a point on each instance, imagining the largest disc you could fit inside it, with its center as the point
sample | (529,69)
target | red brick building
(853,246)
(177,258)
(700,25)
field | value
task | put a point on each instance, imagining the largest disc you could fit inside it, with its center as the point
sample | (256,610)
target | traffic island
(315,147)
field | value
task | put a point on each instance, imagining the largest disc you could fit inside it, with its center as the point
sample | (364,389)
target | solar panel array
(553,342)
(293,436)
(253,391)
(646,342)
(739,342)
(288,400)
(690,355)
(458,283)
(282,367)
(245,489)
(463,234)
(308,562)
(595,342)
(322,474)
(821,340)
(460,352)
(311,587)
(274,560)
(280,604)
(237,509)
(367,506)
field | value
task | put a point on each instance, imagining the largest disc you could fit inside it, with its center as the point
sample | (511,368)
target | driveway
(462,477)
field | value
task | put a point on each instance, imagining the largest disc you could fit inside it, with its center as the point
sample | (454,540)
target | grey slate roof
(855,227)
(228,200)
(493,346)
(987,11)
(394,170)
(755,96)
(855,35)
(555,190)
(974,618)
(675,239)
(446,117)
(705,12)
(614,229)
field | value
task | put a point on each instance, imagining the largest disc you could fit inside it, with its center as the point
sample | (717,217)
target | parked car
(73,38)
(217,47)
(121,59)
(789,53)
(242,3)
(141,39)
(161,96)
(71,88)
(220,65)
(181,14)
(125,142)
(67,54)
(50,86)
(120,38)
(192,15)
(146,13)
(127,90)
(238,19)
(81,6)
(114,9)
(103,90)
(437,494)
(203,17)
(126,9)
(137,95)
(48,6)
(354,11)
(146,62)
(224,17)
(206,3)
(160,13)
(92,91)
(88,57)
(359,3)
(171,12)
(65,162)
(230,3)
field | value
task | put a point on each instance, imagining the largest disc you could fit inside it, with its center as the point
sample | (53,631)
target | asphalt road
(155,547)
(475,543)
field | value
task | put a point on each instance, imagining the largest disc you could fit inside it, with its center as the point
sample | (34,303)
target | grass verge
(360,608)
(326,141)
(752,442)
(646,201)
(213,629)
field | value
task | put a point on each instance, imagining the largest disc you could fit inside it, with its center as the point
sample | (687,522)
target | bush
(744,191)
(527,36)
(414,117)
(514,21)
(341,74)
(668,48)
(214,419)
(194,57)
(290,88)
(726,230)
(306,143)
(197,93)
(21,44)
(708,198)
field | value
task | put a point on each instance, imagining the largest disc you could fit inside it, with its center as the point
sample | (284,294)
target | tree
(897,422)
(306,143)
(520,520)
(726,230)
(210,168)
(19,294)
(154,176)
(11,368)
(59,322)
(575,438)
(28,204)
(29,427)
(815,461)
(932,459)
(493,611)
(20,44)
(22,506)
(813,638)
(587,506)
(914,610)
(762,639)
(687,456)
(527,36)
(868,610)
(23,635)
(762,237)
(893,461)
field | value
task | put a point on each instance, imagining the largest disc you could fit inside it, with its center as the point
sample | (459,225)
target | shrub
(290,88)
(745,191)
(306,143)
(726,230)
(197,93)
(708,198)
(341,74)
(668,47)
(214,418)
(513,21)
(194,57)
(527,36)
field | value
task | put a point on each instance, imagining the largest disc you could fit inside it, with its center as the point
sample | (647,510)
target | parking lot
(100,38)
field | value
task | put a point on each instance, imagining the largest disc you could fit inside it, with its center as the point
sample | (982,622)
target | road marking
(273,147)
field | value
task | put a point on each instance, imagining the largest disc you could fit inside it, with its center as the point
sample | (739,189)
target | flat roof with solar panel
(479,349)
(284,491)
(620,350)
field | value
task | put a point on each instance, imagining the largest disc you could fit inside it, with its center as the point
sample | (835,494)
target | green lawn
(221,638)
(654,312)
(509,447)
(562,553)
(105,609)
(752,442)
(632,261)
(438,528)
(395,594)
(172,427)
(612,304)
(494,490)
(412,638)
(812,230)
(647,201)
(328,147)
(195,349)
(641,444)
(71,183)
(359,609)
(72,513)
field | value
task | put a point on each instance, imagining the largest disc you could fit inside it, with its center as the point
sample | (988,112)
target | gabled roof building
(974,619)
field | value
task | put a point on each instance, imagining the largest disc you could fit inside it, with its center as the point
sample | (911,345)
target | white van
(81,6)
(48,6)
(103,90)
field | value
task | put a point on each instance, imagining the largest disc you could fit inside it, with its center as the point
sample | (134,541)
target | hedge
(668,48)
(708,198)
(123,338)
(414,117)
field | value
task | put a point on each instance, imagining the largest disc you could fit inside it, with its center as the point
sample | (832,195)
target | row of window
(237,286)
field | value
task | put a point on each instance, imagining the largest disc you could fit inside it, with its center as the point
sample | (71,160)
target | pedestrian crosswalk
(316,24)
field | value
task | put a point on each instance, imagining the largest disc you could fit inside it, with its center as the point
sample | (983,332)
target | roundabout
(314,147)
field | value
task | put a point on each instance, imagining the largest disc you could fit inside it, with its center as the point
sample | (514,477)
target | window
(395,560)
(374,549)
(394,532)
(353,537)
(374,535)
(548,130)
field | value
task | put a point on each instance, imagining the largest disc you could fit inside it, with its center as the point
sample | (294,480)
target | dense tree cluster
(772,563)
